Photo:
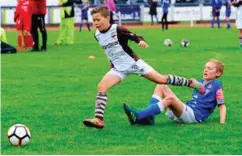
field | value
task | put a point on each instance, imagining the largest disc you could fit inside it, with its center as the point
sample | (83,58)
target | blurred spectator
(38,21)
(153,10)
(238,5)
(84,11)
(216,6)
(227,13)
(112,9)
(22,18)
(165,7)
(67,22)
(5,47)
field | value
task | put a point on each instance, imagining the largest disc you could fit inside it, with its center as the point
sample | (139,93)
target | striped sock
(240,41)
(177,80)
(101,101)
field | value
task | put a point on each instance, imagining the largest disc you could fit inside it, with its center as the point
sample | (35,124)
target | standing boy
(165,7)
(216,7)
(228,13)
(38,22)
(84,10)
(114,40)
(22,18)
(67,23)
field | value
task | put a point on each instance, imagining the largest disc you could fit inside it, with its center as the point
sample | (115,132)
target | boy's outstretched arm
(127,35)
(222,113)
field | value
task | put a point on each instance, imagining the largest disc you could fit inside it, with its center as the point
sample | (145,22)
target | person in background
(84,10)
(238,5)
(38,22)
(216,7)
(5,47)
(67,23)
(165,7)
(112,9)
(227,13)
(153,10)
(22,18)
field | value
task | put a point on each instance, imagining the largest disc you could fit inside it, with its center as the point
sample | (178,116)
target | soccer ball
(18,135)
(167,42)
(184,43)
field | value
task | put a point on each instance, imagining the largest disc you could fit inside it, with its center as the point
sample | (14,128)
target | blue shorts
(227,13)
(215,13)
(84,18)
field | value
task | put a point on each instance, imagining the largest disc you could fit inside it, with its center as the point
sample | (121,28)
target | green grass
(53,92)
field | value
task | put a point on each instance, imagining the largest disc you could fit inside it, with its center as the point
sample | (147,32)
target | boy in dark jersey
(114,40)
(196,110)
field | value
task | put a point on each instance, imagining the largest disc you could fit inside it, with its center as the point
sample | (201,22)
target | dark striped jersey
(114,41)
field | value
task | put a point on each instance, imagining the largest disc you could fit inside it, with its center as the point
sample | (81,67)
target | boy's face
(210,71)
(100,22)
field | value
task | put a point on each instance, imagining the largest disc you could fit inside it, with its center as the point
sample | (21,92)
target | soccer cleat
(95,122)
(132,114)
(197,86)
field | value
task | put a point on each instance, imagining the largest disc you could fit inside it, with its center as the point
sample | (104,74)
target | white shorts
(239,17)
(140,68)
(186,117)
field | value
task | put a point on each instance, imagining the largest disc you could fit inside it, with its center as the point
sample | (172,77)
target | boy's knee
(162,87)
(101,87)
(170,98)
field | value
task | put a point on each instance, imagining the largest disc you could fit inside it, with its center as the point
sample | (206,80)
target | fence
(128,13)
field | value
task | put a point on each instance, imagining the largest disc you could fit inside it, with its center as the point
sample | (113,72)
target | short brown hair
(219,65)
(103,10)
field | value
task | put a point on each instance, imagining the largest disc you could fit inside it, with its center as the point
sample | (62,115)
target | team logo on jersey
(110,45)
(210,86)
(113,35)
(220,94)
(135,66)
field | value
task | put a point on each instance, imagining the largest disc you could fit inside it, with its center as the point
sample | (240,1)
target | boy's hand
(143,44)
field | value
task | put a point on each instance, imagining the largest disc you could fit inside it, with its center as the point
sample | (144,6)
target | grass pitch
(53,92)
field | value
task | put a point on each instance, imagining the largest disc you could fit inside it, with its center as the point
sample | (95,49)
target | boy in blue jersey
(216,6)
(227,13)
(84,10)
(165,7)
(195,110)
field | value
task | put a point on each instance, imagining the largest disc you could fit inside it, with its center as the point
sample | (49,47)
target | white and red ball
(19,135)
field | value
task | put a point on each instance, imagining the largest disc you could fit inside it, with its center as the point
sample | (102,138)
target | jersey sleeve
(122,31)
(220,96)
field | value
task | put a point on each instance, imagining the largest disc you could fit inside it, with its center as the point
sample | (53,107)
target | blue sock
(212,23)
(80,26)
(155,107)
(218,22)
(228,25)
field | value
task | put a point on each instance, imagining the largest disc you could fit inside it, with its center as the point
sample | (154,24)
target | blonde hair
(103,10)
(219,65)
